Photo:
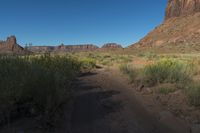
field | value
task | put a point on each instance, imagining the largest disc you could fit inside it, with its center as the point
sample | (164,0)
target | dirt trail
(105,103)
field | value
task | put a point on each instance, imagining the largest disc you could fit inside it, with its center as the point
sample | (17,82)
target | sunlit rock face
(177,8)
(181,27)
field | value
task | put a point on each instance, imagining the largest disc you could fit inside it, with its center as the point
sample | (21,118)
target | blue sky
(52,22)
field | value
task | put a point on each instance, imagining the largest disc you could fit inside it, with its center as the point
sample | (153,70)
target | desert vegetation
(40,86)
(108,58)
(166,74)
(37,86)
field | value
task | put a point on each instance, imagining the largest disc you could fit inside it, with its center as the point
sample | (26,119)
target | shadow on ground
(92,104)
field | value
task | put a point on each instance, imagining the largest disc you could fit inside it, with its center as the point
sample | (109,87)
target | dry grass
(37,85)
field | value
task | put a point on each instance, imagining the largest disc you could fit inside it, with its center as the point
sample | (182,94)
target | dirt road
(106,103)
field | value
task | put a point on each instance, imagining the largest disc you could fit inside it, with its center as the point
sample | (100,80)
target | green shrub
(166,71)
(130,71)
(36,85)
(106,62)
(165,90)
(87,64)
(151,55)
(193,94)
(124,59)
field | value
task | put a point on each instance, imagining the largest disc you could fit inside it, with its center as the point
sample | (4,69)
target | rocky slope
(10,46)
(180,28)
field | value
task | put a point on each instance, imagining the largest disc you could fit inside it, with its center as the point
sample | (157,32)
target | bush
(193,94)
(130,71)
(87,64)
(35,85)
(150,55)
(165,91)
(166,71)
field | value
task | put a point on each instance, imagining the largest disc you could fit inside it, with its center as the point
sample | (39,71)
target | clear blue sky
(51,22)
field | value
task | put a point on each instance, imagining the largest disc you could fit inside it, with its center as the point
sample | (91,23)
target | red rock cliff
(177,8)
(10,45)
(180,28)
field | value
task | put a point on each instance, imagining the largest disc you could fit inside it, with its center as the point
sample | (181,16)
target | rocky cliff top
(177,8)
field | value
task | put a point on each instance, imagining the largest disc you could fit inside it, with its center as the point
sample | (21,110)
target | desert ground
(114,91)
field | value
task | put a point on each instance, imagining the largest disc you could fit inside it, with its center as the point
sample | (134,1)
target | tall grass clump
(35,86)
(193,94)
(166,71)
(129,70)
(148,55)
(87,64)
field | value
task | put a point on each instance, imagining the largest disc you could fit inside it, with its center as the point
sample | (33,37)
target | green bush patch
(166,71)
(37,86)
(193,94)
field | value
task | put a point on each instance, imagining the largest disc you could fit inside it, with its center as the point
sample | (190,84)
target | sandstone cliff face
(180,28)
(111,46)
(76,48)
(41,49)
(63,48)
(10,45)
(177,8)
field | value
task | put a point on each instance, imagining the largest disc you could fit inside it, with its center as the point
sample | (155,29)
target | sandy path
(105,103)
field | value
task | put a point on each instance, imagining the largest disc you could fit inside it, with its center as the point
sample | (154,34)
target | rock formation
(73,48)
(177,8)
(77,48)
(63,48)
(180,28)
(111,46)
(10,45)
(41,49)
